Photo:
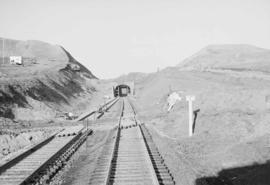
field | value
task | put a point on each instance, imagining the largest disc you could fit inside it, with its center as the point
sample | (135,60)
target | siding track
(41,163)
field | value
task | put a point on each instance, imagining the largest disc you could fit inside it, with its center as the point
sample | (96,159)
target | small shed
(16,60)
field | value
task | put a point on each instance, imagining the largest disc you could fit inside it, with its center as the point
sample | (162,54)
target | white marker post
(190,113)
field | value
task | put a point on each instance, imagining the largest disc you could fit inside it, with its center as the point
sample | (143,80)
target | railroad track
(132,157)
(100,112)
(39,164)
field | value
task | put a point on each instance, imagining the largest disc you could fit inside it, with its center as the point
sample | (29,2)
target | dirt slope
(50,81)
(232,131)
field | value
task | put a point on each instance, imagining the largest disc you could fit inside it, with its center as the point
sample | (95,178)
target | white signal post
(190,99)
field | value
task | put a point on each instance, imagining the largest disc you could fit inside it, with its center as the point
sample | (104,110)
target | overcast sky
(114,37)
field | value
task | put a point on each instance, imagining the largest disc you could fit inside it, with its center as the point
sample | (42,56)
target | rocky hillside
(229,57)
(49,81)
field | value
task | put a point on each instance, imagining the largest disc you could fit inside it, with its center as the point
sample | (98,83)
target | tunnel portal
(121,90)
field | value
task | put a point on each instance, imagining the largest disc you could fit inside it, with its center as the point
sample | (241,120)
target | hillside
(50,81)
(232,122)
(133,76)
(229,57)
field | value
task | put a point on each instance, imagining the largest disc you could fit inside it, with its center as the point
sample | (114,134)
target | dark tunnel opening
(121,90)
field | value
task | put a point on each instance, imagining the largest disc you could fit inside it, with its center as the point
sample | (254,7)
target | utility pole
(105,104)
(3,47)
(190,114)
(95,117)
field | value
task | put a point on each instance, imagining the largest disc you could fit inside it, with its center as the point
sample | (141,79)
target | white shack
(16,60)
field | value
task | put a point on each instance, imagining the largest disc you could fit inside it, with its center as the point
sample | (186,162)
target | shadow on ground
(256,174)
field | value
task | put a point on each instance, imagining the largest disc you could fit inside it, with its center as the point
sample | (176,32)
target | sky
(115,37)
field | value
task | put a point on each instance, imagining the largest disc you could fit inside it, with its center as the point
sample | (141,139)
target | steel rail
(162,172)
(26,153)
(57,160)
(130,157)
(108,105)
(100,176)
(51,155)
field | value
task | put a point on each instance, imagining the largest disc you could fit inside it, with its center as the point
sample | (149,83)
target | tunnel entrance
(121,90)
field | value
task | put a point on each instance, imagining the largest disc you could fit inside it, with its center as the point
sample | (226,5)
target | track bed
(129,159)
(39,163)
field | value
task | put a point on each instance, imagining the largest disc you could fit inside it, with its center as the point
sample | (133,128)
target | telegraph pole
(3,47)
(105,104)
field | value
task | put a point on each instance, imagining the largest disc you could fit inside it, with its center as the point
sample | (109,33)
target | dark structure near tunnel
(121,90)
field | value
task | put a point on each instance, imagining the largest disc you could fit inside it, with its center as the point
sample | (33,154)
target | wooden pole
(3,48)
